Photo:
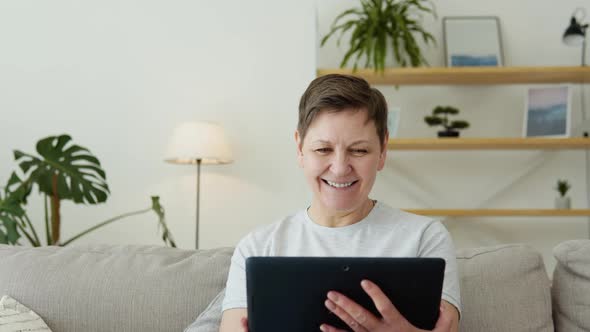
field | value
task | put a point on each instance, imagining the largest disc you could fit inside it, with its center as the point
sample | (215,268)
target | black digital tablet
(288,293)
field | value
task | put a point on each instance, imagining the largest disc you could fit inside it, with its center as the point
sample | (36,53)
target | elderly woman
(341,142)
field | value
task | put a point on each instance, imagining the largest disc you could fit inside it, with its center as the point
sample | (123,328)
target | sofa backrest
(113,288)
(504,288)
(146,288)
(571,286)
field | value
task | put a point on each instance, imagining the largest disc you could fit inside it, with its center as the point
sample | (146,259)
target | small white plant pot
(563,202)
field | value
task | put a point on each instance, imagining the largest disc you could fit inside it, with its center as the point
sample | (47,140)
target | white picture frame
(548,111)
(472,41)
(393,117)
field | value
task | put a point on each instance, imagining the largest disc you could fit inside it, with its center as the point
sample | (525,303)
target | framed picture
(472,41)
(393,121)
(548,111)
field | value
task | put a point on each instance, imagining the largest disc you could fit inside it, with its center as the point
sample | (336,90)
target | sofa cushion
(504,288)
(15,317)
(571,286)
(113,288)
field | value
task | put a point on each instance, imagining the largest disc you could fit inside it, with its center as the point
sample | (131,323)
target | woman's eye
(322,150)
(359,152)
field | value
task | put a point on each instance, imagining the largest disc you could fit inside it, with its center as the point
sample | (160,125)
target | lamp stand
(198,200)
(584,51)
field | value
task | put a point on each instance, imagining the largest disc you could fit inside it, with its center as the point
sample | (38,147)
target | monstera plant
(63,171)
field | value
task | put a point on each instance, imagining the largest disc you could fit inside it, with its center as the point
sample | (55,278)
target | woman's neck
(330,218)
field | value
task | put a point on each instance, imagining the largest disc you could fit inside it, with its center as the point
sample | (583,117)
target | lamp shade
(194,141)
(574,34)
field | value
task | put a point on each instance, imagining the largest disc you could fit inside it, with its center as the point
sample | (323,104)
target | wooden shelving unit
(469,75)
(409,144)
(488,143)
(501,212)
(481,76)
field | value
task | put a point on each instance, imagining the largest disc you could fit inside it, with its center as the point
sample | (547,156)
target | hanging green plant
(379,23)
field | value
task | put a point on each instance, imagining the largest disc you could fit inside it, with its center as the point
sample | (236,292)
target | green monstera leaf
(11,214)
(71,169)
(11,210)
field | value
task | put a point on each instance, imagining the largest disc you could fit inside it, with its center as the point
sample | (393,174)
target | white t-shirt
(385,232)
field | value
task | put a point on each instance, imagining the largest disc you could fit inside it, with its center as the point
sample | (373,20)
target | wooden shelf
(488,143)
(469,75)
(502,212)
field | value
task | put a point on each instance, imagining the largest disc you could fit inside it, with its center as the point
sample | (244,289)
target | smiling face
(340,156)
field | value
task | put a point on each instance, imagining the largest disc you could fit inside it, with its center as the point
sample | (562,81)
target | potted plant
(440,117)
(62,171)
(562,201)
(378,24)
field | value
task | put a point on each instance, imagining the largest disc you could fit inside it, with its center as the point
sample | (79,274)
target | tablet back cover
(288,293)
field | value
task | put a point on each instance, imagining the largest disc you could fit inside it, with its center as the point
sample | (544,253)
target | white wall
(119,75)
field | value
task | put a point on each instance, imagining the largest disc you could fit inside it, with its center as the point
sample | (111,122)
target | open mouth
(339,185)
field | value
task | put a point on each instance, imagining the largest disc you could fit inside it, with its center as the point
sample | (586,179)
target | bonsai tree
(64,171)
(562,187)
(379,24)
(440,117)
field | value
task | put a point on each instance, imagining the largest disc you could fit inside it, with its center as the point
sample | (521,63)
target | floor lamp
(199,143)
(575,35)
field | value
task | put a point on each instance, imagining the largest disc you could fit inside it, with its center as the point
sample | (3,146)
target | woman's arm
(447,307)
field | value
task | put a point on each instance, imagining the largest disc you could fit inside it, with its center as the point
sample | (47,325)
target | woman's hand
(361,320)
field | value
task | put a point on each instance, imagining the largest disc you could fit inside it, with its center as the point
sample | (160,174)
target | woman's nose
(340,164)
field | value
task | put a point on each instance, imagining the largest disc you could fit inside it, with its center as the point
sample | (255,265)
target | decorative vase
(448,133)
(562,202)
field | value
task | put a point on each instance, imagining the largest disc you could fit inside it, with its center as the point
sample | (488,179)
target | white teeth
(340,185)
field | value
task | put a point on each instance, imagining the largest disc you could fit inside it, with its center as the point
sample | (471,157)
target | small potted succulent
(562,201)
(440,117)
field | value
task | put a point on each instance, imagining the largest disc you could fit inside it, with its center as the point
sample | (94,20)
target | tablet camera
(346,268)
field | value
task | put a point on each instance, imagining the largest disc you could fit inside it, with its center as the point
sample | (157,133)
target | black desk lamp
(575,34)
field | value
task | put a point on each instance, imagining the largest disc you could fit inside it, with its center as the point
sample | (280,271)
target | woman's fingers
(355,316)
(445,320)
(361,320)
(244,322)
(382,302)
(344,316)
(330,328)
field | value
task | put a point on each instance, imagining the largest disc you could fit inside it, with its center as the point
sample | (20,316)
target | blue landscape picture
(547,112)
(547,121)
(461,60)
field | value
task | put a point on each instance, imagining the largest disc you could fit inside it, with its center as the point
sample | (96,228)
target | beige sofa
(148,288)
